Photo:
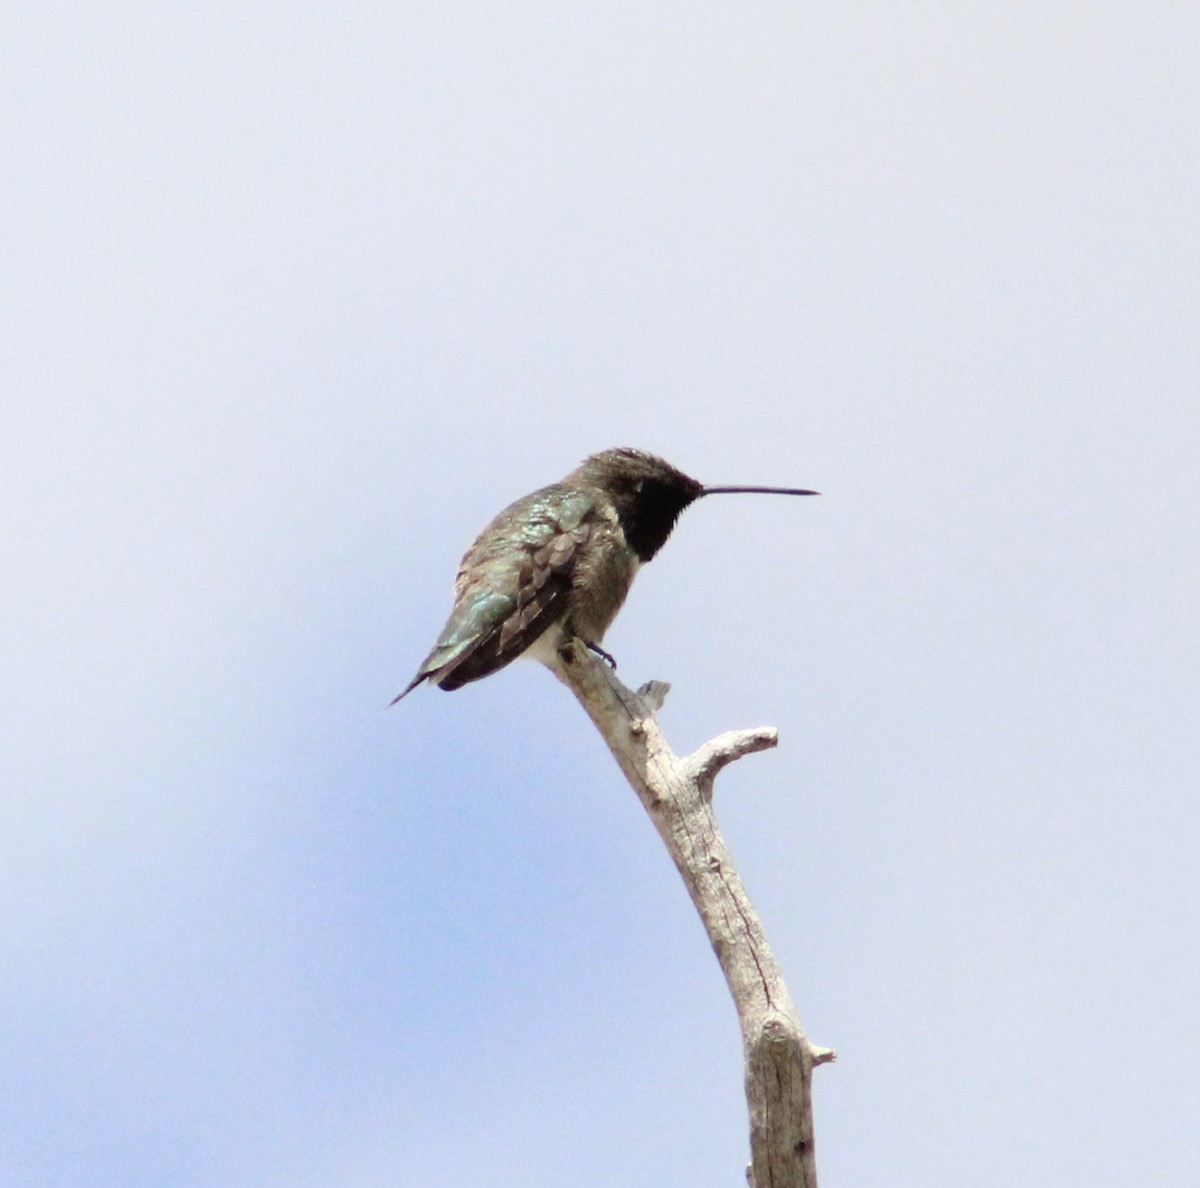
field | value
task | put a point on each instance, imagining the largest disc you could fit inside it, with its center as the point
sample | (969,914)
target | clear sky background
(294,297)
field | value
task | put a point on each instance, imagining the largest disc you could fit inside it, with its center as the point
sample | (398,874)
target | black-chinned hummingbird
(559,562)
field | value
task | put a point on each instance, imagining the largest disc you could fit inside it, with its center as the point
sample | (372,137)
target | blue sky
(295,297)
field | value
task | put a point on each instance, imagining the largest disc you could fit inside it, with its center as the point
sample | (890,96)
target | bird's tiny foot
(593,647)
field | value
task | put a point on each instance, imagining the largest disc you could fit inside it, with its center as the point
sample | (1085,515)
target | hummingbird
(559,562)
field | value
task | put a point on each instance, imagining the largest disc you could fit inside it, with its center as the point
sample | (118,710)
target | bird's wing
(512,585)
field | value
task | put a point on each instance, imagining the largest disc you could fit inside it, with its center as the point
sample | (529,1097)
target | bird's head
(649,493)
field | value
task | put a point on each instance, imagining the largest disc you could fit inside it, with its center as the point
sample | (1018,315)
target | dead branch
(677,793)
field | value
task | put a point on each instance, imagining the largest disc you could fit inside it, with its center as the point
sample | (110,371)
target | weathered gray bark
(677,793)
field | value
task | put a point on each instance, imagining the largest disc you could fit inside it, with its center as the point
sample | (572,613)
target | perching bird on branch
(559,562)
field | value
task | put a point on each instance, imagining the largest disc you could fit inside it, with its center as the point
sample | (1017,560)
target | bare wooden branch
(677,793)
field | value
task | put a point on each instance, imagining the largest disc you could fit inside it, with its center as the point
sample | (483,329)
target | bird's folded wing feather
(512,585)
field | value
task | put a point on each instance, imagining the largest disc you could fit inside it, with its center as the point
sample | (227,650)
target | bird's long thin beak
(757,491)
